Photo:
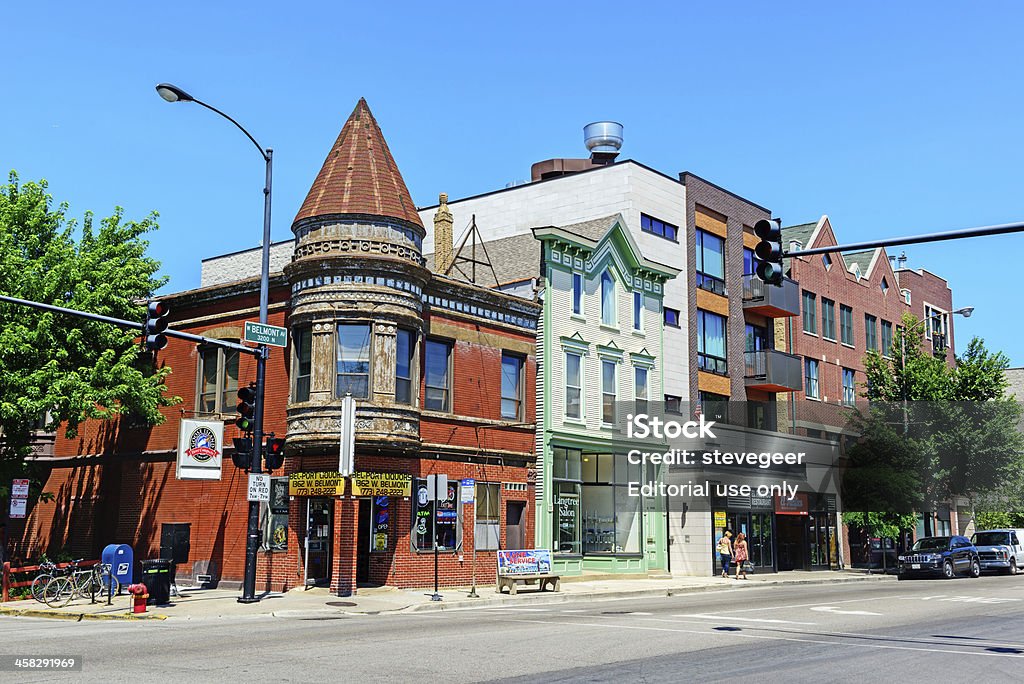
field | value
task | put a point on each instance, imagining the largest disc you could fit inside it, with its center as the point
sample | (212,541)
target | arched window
(607,299)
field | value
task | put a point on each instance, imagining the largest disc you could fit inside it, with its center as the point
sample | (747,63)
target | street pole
(252,544)
(172,93)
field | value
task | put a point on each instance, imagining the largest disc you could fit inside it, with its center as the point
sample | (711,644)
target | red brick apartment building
(443,374)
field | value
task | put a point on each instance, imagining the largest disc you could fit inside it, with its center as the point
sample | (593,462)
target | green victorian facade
(600,348)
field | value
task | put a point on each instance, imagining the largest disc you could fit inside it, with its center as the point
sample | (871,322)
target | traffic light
(156,322)
(246,407)
(243,452)
(768,253)
(273,454)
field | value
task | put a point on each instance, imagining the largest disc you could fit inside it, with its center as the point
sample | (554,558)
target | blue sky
(892,118)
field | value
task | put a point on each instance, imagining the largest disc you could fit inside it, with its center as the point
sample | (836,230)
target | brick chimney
(443,235)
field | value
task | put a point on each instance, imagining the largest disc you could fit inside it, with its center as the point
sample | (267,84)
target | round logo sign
(202,444)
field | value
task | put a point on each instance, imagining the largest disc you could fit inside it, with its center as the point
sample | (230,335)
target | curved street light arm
(238,125)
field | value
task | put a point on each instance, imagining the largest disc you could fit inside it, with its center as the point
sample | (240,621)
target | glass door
(760,541)
(318,542)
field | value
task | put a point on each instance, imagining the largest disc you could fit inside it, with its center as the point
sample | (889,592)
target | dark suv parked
(944,556)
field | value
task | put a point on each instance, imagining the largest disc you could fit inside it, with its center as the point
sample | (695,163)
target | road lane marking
(730,618)
(836,611)
(816,603)
(739,635)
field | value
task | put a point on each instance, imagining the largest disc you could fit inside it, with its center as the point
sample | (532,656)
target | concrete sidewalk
(204,604)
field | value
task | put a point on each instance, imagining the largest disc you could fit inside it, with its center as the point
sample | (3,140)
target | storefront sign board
(316,484)
(795,506)
(381,484)
(200,447)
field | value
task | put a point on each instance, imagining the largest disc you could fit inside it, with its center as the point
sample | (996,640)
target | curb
(78,617)
(552,598)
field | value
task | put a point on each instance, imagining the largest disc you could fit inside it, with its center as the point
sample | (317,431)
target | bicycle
(47,571)
(81,583)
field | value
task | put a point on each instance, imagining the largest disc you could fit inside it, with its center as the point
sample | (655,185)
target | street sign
(437,487)
(259,487)
(261,333)
(467,491)
(19,489)
(18,508)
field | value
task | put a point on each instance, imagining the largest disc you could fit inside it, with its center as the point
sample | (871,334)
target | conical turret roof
(360,176)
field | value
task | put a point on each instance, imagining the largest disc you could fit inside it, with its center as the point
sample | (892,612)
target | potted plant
(139,595)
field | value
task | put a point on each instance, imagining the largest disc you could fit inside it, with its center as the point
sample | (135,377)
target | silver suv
(1000,550)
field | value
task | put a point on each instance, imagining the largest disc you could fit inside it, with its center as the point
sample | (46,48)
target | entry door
(319,513)
(515,525)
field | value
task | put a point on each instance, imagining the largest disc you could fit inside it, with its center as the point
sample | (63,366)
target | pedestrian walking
(725,552)
(740,555)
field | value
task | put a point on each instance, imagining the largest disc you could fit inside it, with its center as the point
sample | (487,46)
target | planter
(139,603)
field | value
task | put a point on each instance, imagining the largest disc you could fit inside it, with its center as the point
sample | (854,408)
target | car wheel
(947,570)
(901,577)
(1013,566)
(975,568)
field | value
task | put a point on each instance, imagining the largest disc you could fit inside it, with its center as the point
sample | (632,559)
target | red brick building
(442,372)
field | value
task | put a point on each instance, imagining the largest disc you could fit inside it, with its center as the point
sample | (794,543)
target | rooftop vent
(604,140)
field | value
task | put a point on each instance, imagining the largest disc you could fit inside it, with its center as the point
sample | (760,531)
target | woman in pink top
(739,548)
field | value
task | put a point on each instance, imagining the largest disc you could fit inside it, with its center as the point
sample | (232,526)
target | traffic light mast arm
(257,352)
(1001,229)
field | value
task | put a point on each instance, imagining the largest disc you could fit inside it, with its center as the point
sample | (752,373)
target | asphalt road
(943,630)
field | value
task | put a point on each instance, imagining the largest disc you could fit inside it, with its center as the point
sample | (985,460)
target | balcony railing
(773,370)
(774,301)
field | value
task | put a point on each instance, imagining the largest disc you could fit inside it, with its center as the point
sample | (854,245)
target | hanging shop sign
(200,447)
(381,484)
(329,483)
(795,506)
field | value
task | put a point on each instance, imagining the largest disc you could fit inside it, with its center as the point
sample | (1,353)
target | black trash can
(156,575)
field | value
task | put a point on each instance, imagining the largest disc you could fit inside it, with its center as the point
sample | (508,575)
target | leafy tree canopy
(58,369)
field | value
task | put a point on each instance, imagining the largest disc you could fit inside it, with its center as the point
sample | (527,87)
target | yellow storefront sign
(719,518)
(381,484)
(316,484)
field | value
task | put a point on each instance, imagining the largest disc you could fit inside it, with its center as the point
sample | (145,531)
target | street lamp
(172,93)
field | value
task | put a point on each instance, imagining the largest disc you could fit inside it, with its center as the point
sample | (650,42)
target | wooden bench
(554,581)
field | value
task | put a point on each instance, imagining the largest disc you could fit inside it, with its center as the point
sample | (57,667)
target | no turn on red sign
(259,487)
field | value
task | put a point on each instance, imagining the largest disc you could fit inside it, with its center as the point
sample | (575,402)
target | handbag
(747,567)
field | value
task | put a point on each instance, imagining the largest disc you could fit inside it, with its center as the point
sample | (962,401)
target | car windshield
(932,544)
(991,538)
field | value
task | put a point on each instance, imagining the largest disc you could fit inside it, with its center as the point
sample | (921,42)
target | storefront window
(487,510)
(275,516)
(446,520)
(566,473)
(610,517)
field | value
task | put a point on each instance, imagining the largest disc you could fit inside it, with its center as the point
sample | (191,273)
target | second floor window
(218,380)
(846,324)
(608,391)
(640,389)
(849,397)
(405,344)
(711,342)
(437,375)
(511,386)
(302,339)
(810,319)
(811,378)
(672,317)
(710,262)
(607,299)
(749,265)
(871,332)
(886,338)
(638,310)
(828,319)
(573,385)
(353,360)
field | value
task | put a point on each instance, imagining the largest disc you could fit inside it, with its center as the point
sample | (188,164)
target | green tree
(57,369)
(957,419)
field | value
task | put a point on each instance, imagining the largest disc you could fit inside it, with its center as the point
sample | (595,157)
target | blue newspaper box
(121,560)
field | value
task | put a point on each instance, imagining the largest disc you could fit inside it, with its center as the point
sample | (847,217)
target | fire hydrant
(140,594)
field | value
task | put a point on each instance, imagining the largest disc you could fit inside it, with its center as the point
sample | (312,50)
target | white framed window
(577,293)
(437,375)
(609,391)
(218,380)
(511,386)
(405,346)
(302,362)
(849,395)
(353,360)
(640,377)
(607,299)
(811,378)
(638,310)
(573,385)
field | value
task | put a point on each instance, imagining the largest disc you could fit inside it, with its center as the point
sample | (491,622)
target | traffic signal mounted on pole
(156,322)
(768,253)
(242,457)
(273,453)
(246,407)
